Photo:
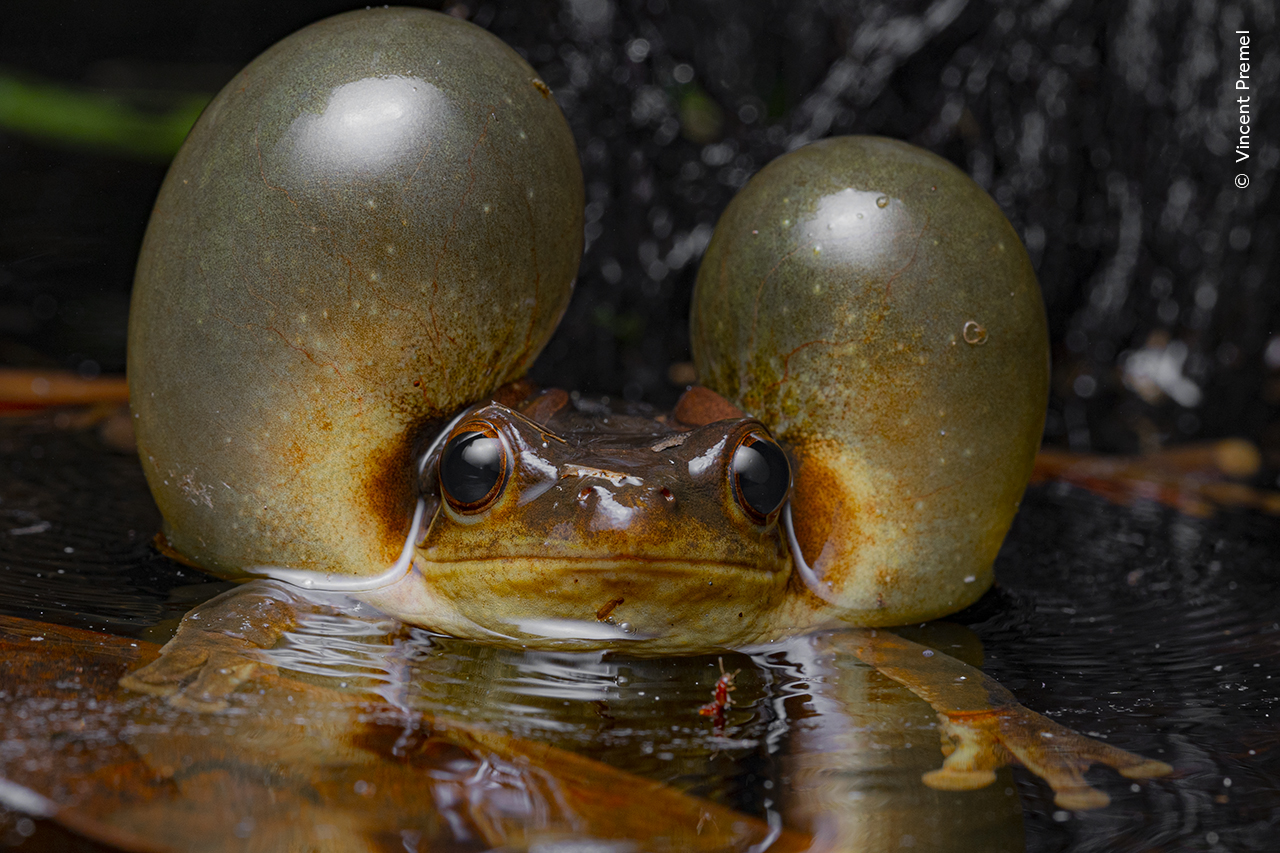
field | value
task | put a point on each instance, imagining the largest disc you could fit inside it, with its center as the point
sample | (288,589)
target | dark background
(1106,132)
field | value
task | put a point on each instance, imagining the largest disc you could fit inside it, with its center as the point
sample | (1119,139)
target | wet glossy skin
(377,222)
(612,527)
(873,306)
(871,303)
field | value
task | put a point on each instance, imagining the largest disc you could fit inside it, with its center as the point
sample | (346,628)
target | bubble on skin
(882,201)
(974,333)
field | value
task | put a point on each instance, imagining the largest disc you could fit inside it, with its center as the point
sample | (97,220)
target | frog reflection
(818,746)
(574,525)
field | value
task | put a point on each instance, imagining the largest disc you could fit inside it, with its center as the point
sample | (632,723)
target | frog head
(559,519)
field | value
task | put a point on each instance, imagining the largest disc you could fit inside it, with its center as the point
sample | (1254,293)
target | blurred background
(1107,132)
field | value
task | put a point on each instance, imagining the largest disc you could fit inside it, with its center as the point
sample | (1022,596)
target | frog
(328,341)
(562,522)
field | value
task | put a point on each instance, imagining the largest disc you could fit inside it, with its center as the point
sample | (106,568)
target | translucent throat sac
(337,582)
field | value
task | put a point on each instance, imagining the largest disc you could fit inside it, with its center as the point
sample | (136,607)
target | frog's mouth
(604,577)
(607,562)
(598,597)
(649,604)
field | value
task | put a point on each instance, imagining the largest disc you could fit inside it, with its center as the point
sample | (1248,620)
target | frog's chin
(640,606)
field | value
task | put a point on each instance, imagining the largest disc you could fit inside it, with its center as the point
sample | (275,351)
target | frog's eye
(473,468)
(761,476)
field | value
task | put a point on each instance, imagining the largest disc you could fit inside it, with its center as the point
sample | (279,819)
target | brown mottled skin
(377,223)
(613,510)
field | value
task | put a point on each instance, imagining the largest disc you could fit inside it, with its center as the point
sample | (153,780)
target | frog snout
(588,472)
(609,499)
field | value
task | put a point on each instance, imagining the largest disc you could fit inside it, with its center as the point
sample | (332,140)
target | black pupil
(471,466)
(762,474)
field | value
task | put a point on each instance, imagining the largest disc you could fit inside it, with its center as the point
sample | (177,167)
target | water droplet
(882,201)
(974,333)
(626,628)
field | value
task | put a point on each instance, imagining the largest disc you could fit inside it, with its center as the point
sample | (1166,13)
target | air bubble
(882,201)
(975,333)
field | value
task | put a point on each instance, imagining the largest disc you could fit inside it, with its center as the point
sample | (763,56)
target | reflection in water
(856,759)
(819,743)
(297,767)
(1154,631)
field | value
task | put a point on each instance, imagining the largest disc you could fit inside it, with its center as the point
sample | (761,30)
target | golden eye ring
(473,469)
(761,476)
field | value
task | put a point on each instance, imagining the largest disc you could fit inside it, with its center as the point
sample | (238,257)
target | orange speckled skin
(871,304)
(375,223)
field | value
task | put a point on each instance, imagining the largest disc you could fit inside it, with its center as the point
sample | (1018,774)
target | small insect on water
(720,697)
